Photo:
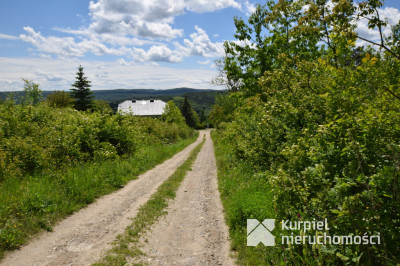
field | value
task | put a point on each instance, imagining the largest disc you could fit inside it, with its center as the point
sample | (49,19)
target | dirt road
(84,236)
(193,232)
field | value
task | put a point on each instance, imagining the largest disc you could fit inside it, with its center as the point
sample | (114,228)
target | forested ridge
(201,100)
(310,130)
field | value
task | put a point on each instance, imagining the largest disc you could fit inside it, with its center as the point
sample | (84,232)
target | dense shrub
(320,124)
(331,152)
(39,138)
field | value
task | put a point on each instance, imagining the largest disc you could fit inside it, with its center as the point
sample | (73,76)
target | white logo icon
(260,232)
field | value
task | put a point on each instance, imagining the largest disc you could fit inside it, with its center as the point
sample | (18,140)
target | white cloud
(156,53)
(249,8)
(201,6)
(162,54)
(391,14)
(8,37)
(122,62)
(245,43)
(207,62)
(120,27)
(53,45)
(57,74)
(109,38)
(147,19)
(67,46)
(200,45)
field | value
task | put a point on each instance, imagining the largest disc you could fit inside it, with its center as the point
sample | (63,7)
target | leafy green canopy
(317,119)
(59,99)
(41,139)
(300,30)
(172,114)
(32,94)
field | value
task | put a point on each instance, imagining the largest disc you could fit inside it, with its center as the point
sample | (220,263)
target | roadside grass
(35,203)
(127,244)
(245,195)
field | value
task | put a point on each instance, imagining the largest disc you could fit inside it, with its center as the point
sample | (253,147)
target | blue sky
(126,44)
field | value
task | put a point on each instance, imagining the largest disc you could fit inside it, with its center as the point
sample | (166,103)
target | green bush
(37,139)
(331,152)
(54,161)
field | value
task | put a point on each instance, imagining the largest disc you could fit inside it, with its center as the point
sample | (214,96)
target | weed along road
(192,233)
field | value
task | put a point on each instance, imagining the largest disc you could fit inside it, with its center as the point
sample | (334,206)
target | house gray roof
(142,107)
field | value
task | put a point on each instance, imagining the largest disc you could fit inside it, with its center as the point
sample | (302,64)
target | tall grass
(245,195)
(36,202)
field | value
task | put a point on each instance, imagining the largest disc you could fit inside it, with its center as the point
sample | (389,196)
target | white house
(142,107)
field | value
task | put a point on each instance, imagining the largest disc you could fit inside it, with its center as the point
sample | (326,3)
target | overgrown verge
(37,202)
(55,161)
(126,245)
(244,196)
(320,125)
(330,155)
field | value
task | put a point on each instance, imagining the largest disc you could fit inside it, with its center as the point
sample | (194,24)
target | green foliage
(34,203)
(81,91)
(196,119)
(187,113)
(223,109)
(59,99)
(32,94)
(101,106)
(199,99)
(245,194)
(41,138)
(172,114)
(318,124)
(53,161)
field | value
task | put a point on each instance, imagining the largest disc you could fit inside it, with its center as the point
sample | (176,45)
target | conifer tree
(81,91)
(187,113)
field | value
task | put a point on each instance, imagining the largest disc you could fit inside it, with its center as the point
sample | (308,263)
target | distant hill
(121,94)
(201,100)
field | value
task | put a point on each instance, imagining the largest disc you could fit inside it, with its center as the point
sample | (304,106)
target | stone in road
(193,232)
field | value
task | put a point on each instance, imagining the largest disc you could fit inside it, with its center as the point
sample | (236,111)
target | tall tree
(186,110)
(81,91)
(32,93)
(268,37)
(172,114)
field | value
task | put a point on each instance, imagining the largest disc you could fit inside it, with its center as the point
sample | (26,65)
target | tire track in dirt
(193,232)
(85,236)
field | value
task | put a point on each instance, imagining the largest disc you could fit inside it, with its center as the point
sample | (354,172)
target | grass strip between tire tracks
(126,245)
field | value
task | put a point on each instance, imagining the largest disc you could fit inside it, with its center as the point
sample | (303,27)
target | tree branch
(391,92)
(379,27)
(381,45)
(328,39)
